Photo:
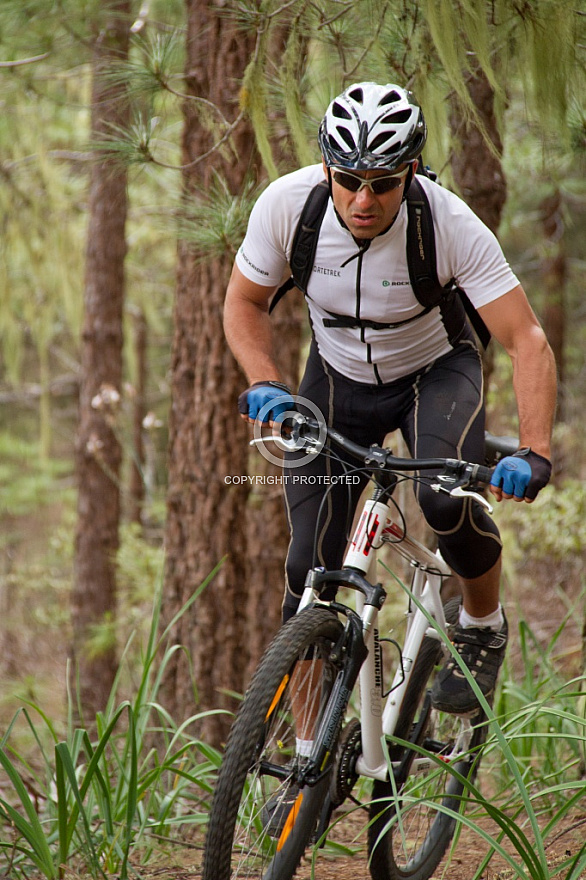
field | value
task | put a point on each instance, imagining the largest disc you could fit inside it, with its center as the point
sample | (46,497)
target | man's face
(365,213)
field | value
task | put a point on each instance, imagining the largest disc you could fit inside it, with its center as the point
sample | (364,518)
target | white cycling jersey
(374,286)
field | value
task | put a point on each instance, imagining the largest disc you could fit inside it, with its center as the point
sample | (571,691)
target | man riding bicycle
(379,362)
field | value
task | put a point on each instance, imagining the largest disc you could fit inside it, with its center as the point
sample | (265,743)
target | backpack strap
(421,256)
(305,241)
(422,262)
(478,324)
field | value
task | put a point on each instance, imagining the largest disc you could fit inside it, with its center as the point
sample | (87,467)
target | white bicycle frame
(377,721)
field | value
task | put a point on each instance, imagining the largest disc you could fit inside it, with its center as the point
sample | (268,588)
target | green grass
(537,740)
(90,802)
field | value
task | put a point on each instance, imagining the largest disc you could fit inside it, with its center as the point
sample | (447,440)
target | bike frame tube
(417,627)
(372,761)
(378,721)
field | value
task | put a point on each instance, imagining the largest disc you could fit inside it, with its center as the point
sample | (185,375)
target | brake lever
(270,438)
(460,492)
(293,441)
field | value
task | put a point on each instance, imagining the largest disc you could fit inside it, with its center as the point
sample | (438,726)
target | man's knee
(442,513)
(472,544)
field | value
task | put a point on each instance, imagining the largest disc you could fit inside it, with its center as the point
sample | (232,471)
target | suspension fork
(349,654)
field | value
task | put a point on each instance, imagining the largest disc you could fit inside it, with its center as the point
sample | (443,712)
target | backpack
(421,260)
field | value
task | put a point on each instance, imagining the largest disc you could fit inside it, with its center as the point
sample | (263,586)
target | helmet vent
(390,98)
(346,136)
(398,117)
(357,95)
(340,112)
(380,140)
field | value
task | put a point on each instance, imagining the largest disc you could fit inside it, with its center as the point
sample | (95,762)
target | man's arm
(248,329)
(513,323)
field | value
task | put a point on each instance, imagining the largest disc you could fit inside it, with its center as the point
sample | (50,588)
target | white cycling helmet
(372,126)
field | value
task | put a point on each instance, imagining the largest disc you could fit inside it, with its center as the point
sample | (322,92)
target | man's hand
(520,476)
(268,401)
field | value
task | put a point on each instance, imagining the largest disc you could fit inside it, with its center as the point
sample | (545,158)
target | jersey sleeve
(264,254)
(470,253)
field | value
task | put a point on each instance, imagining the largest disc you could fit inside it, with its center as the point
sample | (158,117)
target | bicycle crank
(344,773)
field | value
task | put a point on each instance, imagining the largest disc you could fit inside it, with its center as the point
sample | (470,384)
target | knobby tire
(260,765)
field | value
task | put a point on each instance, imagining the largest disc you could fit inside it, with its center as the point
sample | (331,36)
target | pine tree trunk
(98,451)
(208,440)
(268,530)
(478,170)
(137,483)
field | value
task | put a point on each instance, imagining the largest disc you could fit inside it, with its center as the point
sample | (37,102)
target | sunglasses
(378,185)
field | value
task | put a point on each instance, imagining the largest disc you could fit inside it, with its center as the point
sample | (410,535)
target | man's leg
(447,419)
(321,493)
(480,595)
(480,638)
(320,498)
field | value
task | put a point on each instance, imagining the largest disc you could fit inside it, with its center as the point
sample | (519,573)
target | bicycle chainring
(344,773)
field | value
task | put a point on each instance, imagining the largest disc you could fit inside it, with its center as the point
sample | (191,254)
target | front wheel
(261,822)
(409,834)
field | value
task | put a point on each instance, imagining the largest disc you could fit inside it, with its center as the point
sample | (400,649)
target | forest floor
(460,865)
(562,843)
(544,611)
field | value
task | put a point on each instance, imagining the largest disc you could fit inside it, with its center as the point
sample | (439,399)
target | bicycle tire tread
(246,729)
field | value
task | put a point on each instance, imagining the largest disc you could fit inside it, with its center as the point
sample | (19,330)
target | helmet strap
(330,184)
(409,178)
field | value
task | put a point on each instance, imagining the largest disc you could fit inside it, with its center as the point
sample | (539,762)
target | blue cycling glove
(522,474)
(269,400)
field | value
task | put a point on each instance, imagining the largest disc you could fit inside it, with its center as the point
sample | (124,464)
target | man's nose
(365,196)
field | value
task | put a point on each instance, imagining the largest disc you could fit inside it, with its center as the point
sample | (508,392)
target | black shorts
(440,413)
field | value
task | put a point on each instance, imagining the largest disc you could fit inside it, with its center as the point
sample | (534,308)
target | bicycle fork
(358,633)
(348,655)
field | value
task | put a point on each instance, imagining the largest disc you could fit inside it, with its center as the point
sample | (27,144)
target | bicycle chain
(344,773)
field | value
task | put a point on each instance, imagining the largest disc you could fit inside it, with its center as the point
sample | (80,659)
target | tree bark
(268,533)
(98,451)
(208,441)
(477,169)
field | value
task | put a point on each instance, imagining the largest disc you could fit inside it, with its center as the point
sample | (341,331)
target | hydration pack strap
(305,242)
(348,322)
(421,259)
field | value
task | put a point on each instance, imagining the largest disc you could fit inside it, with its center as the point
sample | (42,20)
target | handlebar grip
(481,474)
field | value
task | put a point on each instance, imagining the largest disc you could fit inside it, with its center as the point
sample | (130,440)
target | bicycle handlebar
(459,472)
